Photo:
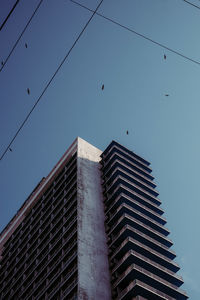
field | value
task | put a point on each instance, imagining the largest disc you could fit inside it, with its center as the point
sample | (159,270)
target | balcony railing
(53,279)
(70,288)
(125,208)
(130,170)
(46,253)
(48,262)
(141,183)
(153,293)
(116,156)
(161,269)
(69,275)
(121,188)
(172,289)
(125,219)
(131,185)
(127,152)
(154,244)
(128,157)
(148,212)
(149,252)
(40,234)
(36,227)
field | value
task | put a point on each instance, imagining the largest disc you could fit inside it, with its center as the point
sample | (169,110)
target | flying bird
(28,91)
(166,95)
(10,149)
(26,45)
(102,87)
(2,63)
(165,56)
(127,132)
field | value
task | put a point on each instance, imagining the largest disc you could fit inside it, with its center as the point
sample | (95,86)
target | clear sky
(163,130)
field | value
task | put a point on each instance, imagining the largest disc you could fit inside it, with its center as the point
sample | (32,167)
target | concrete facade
(70,237)
(93,269)
(91,230)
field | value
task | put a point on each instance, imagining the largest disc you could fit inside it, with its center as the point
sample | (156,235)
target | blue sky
(164,130)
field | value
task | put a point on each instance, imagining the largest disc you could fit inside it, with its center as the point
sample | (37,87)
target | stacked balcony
(141,261)
(39,260)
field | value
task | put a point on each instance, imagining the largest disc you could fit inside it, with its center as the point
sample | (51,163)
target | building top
(44,182)
(35,194)
(38,190)
(114,143)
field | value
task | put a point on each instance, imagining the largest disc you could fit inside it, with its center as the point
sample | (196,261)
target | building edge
(34,196)
(93,263)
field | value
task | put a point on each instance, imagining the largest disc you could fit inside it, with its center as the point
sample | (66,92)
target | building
(92,229)
(141,261)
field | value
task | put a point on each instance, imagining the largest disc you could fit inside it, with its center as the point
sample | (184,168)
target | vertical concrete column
(93,268)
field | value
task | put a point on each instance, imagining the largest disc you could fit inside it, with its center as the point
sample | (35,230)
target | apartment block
(141,261)
(93,229)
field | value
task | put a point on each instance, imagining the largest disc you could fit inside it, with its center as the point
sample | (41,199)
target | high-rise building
(92,229)
(141,261)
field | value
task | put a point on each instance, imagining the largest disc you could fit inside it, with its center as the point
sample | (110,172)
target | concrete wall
(93,269)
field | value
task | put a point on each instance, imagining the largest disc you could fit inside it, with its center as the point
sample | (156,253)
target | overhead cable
(6,19)
(50,81)
(140,35)
(191,4)
(27,24)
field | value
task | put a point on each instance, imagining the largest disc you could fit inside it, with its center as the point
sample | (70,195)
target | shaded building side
(141,261)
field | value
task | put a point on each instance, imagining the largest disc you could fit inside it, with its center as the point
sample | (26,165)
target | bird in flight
(10,149)
(127,132)
(165,56)
(102,87)
(26,45)
(2,63)
(166,95)
(28,91)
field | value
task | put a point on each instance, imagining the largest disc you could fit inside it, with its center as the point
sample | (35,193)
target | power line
(49,82)
(6,19)
(140,34)
(27,24)
(191,4)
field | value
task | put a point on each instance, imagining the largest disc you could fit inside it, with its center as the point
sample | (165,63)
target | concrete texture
(93,269)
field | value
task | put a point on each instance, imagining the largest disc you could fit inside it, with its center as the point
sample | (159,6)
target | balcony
(126,209)
(131,185)
(56,263)
(69,289)
(122,198)
(123,189)
(31,247)
(125,219)
(47,251)
(134,257)
(127,162)
(119,171)
(54,279)
(115,145)
(119,164)
(137,287)
(118,150)
(136,272)
(66,278)
(36,226)
(133,244)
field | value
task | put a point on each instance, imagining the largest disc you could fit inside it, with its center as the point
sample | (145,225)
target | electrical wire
(49,82)
(196,6)
(27,24)
(140,34)
(6,19)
